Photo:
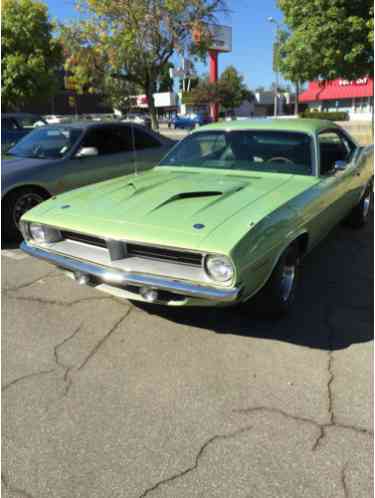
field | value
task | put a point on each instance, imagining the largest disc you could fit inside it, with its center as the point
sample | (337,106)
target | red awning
(337,90)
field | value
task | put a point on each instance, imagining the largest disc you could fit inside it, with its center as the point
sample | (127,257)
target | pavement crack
(24,377)
(32,282)
(343,481)
(66,304)
(100,343)
(320,438)
(321,427)
(67,368)
(199,455)
(331,378)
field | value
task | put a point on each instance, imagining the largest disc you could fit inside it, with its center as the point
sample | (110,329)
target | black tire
(360,213)
(15,205)
(277,296)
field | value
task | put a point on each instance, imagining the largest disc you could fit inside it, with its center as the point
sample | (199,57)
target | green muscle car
(226,216)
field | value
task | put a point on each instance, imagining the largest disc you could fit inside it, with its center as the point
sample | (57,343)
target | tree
(133,40)
(30,55)
(328,39)
(233,89)
(229,91)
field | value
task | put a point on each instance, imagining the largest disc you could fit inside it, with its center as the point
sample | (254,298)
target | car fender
(266,248)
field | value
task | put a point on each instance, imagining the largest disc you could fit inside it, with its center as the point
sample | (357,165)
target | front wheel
(277,296)
(15,206)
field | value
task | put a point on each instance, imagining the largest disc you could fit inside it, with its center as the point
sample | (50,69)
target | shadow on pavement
(333,307)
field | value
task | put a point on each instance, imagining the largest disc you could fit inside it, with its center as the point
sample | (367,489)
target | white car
(140,119)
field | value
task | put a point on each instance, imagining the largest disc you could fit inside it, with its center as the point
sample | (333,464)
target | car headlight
(219,268)
(43,234)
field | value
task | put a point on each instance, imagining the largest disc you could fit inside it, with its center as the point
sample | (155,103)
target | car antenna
(134,149)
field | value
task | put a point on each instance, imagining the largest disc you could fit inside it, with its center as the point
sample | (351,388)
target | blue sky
(252,36)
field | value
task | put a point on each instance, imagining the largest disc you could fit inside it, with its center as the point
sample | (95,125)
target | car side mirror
(87,152)
(340,165)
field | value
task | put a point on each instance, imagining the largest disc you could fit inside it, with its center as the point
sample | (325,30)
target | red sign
(338,90)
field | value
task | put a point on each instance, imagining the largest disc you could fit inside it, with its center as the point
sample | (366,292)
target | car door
(336,187)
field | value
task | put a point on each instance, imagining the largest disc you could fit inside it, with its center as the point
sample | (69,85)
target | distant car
(190,121)
(140,119)
(57,119)
(15,126)
(62,157)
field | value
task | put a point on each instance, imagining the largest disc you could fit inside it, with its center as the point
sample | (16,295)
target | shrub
(331,116)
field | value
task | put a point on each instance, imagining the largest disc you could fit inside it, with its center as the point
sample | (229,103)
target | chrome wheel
(24,203)
(287,281)
(366,204)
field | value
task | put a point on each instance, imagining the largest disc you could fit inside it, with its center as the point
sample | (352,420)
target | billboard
(220,36)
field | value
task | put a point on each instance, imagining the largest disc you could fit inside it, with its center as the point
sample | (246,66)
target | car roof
(83,125)
(310,126)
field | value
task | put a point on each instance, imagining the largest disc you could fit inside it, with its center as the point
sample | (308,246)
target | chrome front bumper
(120,278)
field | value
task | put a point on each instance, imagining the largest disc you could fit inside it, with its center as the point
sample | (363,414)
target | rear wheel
(15,205)
(360,214)
(277,296)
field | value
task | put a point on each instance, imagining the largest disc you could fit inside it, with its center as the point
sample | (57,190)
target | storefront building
(354,97)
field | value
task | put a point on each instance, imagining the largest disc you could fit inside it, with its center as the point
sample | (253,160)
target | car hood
(164,206)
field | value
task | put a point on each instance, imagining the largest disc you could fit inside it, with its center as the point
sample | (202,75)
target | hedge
(331,116)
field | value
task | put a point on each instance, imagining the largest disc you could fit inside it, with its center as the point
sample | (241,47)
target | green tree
(328,39)
(30,55)
(133,40)
(229,91)
(232,88)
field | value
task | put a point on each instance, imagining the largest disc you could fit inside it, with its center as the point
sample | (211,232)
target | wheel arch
(302,241)
(37,188)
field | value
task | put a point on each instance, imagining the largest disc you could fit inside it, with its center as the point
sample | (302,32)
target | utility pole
(275,67)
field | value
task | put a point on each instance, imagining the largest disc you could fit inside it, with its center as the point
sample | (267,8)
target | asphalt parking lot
(104,399)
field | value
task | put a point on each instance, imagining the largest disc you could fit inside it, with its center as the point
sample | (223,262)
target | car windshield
(46,143)
(244,150)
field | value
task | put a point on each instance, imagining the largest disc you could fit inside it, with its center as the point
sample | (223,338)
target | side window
(144,141)
(333,147)
(108,140)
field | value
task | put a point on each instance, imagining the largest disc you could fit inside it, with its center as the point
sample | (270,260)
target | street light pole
(276,98)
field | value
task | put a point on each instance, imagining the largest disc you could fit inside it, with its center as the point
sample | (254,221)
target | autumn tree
(30,56)
(132,40)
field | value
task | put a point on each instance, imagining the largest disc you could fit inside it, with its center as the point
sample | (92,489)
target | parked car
(58,119)
(56,158)
(140,119)
(190,121)
(16,125)
(226,216)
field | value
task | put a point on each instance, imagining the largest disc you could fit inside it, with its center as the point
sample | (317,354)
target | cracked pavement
(106,398)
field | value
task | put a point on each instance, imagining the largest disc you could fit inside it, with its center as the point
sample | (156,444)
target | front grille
(164,254)
(85,239)
(138,250)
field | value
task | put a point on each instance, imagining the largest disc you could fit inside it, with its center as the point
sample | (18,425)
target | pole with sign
(220,38)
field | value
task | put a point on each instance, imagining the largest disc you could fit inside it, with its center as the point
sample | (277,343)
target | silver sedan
(53,159)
